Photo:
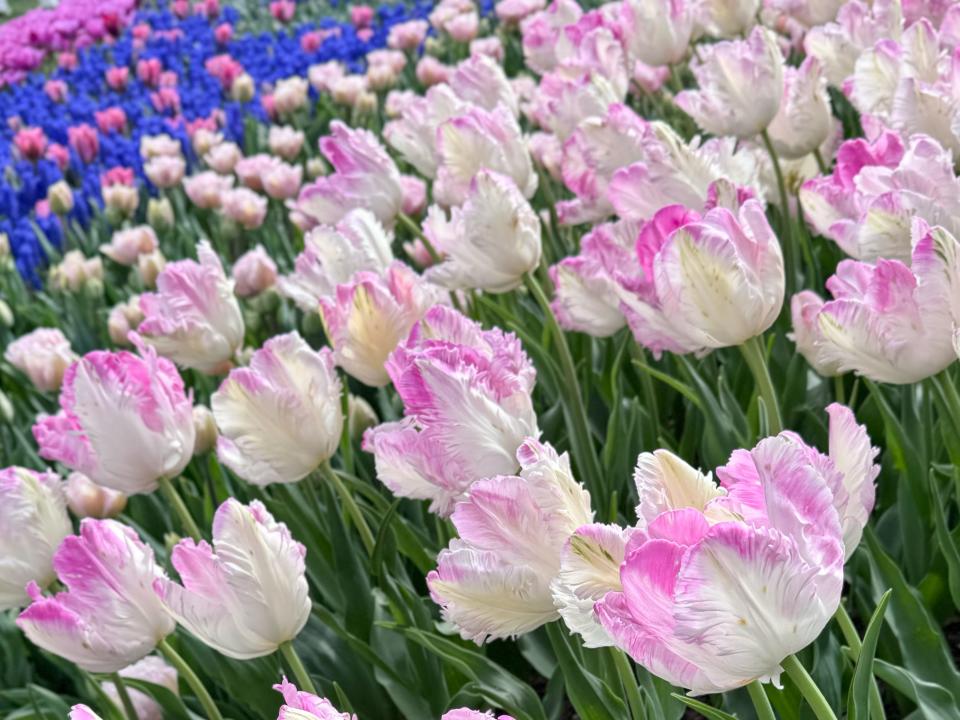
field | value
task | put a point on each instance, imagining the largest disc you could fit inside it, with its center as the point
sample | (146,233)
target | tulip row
(349,337)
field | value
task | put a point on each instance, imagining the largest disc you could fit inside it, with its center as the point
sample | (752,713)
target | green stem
(760,701)
(756,357)
(838,392)
(346,441)
(820,163)
(414,228)
(790,249)
(580,436)
(296,664)
(176,502)
(629,682)
(125,700)
(948,391)
(852,638)
(808,688)
(353,510)
(187,673)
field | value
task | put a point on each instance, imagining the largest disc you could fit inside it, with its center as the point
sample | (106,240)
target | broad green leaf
(858,704)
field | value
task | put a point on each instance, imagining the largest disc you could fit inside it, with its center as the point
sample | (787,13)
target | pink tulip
(407,35)
(43,355)
(223,33)
(361,15)
(111,119)
(147,441)
(148,71)
(126,246)
(492,47)
(165,171)
(253,272)
(414,134)
(364,177)
(283,10)
(480,80)
(414,195)
(244,207)
(297,703)
(35,521)
(311,41)
(804,96)
(87,499)
(56,90)
(494,580)
(541,33)
(194,317)
(282,181)
(31,142)
(285,141)
(206,189)
(58,154)
(514,11)
(224,158)
(247,594)
(118,78)
(657,32)
(109,616)
(431,71)
(458,383)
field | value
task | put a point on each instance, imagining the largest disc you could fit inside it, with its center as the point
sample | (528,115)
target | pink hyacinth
(467,401)
(364,176)
(109,616)
(245,595)
(194,318)
(124,446)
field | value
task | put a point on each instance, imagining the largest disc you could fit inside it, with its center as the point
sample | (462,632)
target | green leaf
(947,544)
(934,702)
(173,707)
(584,690)
(858,705)
(708,711)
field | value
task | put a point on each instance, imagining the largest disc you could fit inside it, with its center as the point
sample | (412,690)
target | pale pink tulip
(165,171)
(657,32)
(301,705)
(480,80)
(206,189)
(152,669)
(414,134)
(223,158)
(541,32)
(285,141)
(87,499)
(43,355)
(804,120)
(253,272)
(244,207)
(407,35)
(126,246)
(246,595)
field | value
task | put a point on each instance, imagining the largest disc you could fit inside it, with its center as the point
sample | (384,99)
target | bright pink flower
(247,594)
(283,10)
(361,15)
(121,445)
(109,616)
(67,61)
(310,705)
(223,33)
(56,90)
(148,71)
(31,142)
(298,389)
(407,35)
(84,141)
(253,272)
(467,400)
(194,317)
(180,8)
(673,308)
(117,176)
(494,580)
(118,77)
(43,355)
(224,68)
(311,41)
(364,176)
(111,119)
(35,521)
(58,154)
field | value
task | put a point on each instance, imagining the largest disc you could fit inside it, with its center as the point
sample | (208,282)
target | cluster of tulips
(390,365)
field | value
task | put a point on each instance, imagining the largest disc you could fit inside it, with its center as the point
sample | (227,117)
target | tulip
(109,616)
(306,706)
(246,595)
(414,195)
(468,714)
(332,255)
(805,310)
(34,517)
(657,32)
(285,141)
(347,90)
(542,31)
(367,317)
(414,134)
(467,400)
(727,18)
(83,712)
(151,669)
(492,47)
(514,11)
(407,35)
(124,446)
(323,75)
(206,189)
(480,80)
(117,78)
(160,214)
(250,170)
(87,499)
(364,176)
(153,146)
(479,140)
(56,90)
(149,267)
(205,428)
(111,120)
(76,272)
(60,198)
(290,95)
(31,142)
(498,238)
(494,580)
(741,82)
(84,141)
(43,355)
(708,282)
(123,318)
(565,100)
(889,322)
(678,613)
(804,120)
(253,272)
(295,388)
(165,171)
(223,158)
(431,71)
(126,246)
(587,285)
(121,199)
(194,318)
(282,181)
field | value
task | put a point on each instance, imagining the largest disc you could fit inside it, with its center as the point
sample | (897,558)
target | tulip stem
(629,681)
(852,638)
(176,502)
(124,696)
(820,163)
(761,702)
(296,664)
(790,250)
(580,436)
(411,225)
(808,688)
(187,673)
(353,510)
(755,355)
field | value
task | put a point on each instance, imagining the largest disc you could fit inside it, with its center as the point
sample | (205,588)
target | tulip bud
(433,46)
(60,197)
(205,427)
(43,355)
(123,318)
(315,168)
(150,266)
(243,89)
(6,315)
(160,214)
(361,416)
(366,103)
(87,499)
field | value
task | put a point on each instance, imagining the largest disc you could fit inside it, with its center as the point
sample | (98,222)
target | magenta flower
(124,421)
(247,594)
(109,616)
(467,399)
(300,705)
(364,177)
